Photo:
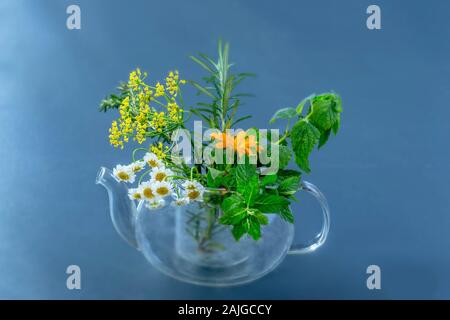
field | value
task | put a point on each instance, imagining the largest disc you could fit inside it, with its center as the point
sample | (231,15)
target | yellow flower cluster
(172,81)
(174,111)
(160,150)
(159,90)
(134,79)
(137,117)
(144,96)
(142,124)
(119,133)
(158,121)
(114,135)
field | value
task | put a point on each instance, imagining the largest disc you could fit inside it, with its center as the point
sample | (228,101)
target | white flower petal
(152,160)
(155,204)
(124,173)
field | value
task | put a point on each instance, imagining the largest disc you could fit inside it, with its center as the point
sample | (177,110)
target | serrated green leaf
(262,218)
(286,214)
(233,217)
(337,107)
(233,210)
(322,115)
(268,179)
(285,113)
(289,186)
(238,231)
(285,156)
(336,124)
(304,136)
(244,172)
(323,138)
(233,202)
(254,228)
(302,103)
(284,173)
(247,182)
(270,203)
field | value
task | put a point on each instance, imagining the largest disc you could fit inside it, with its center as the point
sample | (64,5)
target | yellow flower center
(194,194)
(123,175)
(160,176)
(152,163)
(137,169)
(148,193)
(137,195)
(162,191)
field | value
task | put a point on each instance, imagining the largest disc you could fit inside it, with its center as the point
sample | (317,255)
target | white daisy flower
(160,174)
(191,184)
(180,201)
(124,173)
(193,190)
(152,160)
(147,191)
(137,166)
(155,204)
(135,194)
(162,188)
(194,194)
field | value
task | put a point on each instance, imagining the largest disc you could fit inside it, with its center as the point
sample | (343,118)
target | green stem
(133,155)
(286,133)
(142,176)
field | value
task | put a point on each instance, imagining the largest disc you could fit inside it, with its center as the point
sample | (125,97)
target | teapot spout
(122,210)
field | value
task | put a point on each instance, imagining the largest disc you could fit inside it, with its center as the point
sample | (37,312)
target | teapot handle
(320,238)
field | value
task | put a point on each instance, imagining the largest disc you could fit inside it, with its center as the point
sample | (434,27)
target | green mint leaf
(285,113)
(337,107)
(325,111)
(233,209)
(250,224)
(285,156)
(322,114)
(262,218)
(302,103)
(286,214)
(254,228)
(270,203)
(233,217)
(324,138)
(269,179)
(245,172)
(336,124)
(304,137)
(284,173)
(289,186)
(238,231)
(232,203)
(247,182)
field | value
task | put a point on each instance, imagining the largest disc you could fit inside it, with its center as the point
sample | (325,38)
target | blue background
(386,175)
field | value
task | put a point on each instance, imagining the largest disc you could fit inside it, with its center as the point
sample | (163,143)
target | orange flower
(224,140)
(241,143)
(246,144)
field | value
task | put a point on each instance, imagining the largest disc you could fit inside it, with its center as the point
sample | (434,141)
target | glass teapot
(189,244)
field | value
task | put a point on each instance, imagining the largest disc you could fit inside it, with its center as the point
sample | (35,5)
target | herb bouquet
(234,181)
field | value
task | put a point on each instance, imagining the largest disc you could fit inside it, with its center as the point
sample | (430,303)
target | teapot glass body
(188,242)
